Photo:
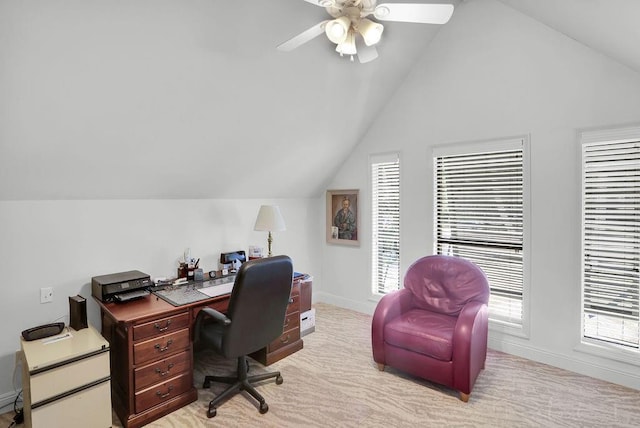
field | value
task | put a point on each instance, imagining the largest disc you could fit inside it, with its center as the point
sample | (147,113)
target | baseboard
(358,306)
(7,400)
(629,378)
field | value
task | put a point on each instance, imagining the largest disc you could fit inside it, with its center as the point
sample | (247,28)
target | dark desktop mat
(188,293)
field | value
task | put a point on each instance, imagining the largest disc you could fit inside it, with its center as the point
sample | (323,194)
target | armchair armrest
(470,345)
(389,307)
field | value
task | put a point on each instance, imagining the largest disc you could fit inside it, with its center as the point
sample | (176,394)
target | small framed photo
(343,217)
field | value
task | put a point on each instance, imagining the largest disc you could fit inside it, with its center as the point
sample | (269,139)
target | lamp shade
(348,46)
(371,31)
(269,219)
(337,29)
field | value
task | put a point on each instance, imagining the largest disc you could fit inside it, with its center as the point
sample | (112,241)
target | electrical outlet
(46,295)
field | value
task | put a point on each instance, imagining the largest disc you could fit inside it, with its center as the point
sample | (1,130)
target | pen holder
(182,271)
(190,273)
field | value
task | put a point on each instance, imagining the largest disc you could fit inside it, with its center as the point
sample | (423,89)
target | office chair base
(240,383)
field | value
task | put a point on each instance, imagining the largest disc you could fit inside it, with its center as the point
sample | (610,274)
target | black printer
(121,286)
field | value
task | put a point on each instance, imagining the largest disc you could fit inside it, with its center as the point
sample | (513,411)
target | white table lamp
(269,219)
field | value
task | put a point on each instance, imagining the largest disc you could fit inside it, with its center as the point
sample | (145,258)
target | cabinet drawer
(88,408)
(288,336)
(161,370)
(159,393)
(67,377)
(160,326)
(159,347)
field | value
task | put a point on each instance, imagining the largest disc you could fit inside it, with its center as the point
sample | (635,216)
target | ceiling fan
(355,34)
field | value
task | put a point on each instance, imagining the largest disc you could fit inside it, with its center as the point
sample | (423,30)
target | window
(385,223)
(479,215)
(611,237)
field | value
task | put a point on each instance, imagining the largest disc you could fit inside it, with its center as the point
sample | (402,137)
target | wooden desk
(152,352)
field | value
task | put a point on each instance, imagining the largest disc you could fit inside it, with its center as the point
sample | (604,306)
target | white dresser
(66,380)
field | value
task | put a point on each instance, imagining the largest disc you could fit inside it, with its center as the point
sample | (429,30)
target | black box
(77,312)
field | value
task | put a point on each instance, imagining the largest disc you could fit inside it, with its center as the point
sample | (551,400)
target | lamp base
(269,241)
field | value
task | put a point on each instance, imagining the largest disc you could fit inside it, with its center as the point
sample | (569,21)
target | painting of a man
(345,220)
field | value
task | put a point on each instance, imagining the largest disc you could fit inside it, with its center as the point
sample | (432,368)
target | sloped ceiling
(148,99)
(608,26)
(182,99)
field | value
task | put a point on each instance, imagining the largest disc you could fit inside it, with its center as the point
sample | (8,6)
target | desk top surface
(153,306)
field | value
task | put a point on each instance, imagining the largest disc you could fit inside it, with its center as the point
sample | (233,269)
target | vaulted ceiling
(190,99)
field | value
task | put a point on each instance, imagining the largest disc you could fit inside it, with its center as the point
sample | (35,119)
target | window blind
(479,216)
(385,204)
(611,241)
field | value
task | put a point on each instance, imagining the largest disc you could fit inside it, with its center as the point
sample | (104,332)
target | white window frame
(498,144)
(588,345)
(375,286)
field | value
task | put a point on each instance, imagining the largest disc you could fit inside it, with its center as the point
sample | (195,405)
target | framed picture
(343,217)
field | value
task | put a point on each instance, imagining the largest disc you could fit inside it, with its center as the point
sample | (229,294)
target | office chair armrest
(207,312)
(219,317)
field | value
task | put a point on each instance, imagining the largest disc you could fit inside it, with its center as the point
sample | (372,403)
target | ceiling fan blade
(410,12)
(365,53)
(303,37)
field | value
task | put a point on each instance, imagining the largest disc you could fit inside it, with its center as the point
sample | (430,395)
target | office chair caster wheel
(211,412)
(279,380)
(264,408)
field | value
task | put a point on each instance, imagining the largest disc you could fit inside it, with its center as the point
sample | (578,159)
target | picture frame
(343,227)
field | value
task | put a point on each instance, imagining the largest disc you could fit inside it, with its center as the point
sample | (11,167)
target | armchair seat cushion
(423,332)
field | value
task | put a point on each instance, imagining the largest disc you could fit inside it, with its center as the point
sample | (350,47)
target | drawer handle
(291,300)
(286,323)
(166,394)
(161,373)
(165,328)
(285,339)
(161,349)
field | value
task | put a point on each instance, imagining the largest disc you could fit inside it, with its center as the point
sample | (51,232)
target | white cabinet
(66,380)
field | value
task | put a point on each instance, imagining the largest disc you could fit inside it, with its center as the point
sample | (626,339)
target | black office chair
(254,319)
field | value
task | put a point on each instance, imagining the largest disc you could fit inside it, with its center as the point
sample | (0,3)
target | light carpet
(334,382)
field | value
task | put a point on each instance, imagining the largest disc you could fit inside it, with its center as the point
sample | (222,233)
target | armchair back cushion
(444,284)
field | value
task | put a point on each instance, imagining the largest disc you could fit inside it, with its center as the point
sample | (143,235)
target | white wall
(493,73)
(62,244)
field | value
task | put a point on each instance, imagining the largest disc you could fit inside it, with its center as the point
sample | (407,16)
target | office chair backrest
(257,305)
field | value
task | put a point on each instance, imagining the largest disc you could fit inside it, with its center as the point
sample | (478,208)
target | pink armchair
(435,327)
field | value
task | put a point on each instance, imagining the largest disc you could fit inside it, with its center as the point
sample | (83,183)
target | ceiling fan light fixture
(337,30)
(348,46)
(371,31)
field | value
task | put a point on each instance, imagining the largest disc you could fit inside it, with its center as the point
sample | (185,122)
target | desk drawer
(161,370)
(159,393)
(161,326)
(294,306)
(159,347)
(288,336)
